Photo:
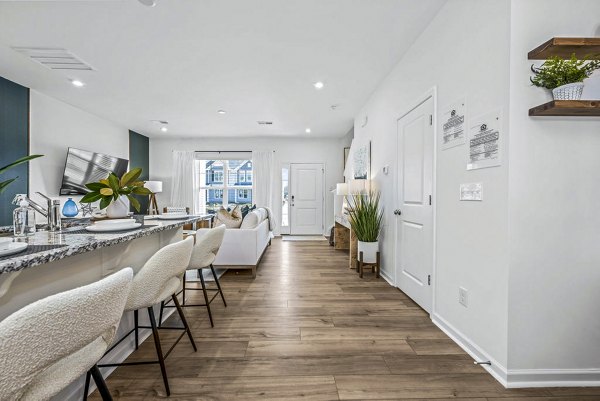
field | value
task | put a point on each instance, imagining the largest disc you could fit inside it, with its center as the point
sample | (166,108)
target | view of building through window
(224,183)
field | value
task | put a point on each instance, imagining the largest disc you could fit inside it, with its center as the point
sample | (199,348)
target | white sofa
(243,248)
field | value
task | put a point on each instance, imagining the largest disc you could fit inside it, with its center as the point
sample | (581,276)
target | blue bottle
(70,208)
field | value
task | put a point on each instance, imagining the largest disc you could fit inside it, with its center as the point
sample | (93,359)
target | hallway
(308,328)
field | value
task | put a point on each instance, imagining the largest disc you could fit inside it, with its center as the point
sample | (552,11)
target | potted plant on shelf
(6,183)
(564,77)
(112,191)
(366,219)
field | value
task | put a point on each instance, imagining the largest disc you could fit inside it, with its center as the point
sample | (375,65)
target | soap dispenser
(24,219)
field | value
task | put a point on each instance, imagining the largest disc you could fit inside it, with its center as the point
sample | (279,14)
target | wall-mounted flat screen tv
(83,167)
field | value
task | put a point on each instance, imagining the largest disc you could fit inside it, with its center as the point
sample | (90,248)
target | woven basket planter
(568,92)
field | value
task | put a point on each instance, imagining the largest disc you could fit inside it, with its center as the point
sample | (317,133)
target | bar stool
(50,343)
(158,280)
(203,256)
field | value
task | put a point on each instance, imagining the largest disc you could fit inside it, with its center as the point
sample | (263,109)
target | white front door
(306,199)
(414,212)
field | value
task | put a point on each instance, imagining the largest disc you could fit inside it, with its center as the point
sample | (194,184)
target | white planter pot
(118,209)
(568,92)
(369,250)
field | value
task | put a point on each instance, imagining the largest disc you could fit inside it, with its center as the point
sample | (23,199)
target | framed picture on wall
(362,162)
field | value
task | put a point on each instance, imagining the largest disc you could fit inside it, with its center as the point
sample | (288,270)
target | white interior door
(414,212)
(306,199)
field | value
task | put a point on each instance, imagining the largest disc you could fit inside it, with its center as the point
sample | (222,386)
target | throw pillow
(251,220)
(230,220)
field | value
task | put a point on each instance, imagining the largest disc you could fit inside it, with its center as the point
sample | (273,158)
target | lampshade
(154,186)
(358,186)
(341,188)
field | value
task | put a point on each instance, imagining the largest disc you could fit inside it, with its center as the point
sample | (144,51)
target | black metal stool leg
(136,330)
(160,315)
(206,297)
(86,387)
(184,321)
(212,268)
(100,383)
(161,358)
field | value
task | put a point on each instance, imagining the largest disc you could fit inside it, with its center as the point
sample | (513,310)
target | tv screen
(83,167)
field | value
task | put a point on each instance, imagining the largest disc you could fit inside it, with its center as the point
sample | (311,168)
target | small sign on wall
(471,192)
(454,124)
(484,140)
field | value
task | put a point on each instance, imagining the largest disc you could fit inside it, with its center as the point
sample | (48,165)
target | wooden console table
(345,239)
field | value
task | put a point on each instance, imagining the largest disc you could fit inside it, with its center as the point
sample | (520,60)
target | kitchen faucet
(51,212)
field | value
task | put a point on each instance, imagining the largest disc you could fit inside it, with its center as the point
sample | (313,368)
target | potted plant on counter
(366,219)
(112,191)
(564,77)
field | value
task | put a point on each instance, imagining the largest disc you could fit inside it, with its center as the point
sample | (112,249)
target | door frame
(430,94)
(289,164)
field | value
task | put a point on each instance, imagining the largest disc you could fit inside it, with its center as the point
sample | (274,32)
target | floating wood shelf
(588,108)
(565,47)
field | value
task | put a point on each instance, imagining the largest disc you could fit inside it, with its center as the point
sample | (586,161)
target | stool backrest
(165,267)
(42,338)
(207,247)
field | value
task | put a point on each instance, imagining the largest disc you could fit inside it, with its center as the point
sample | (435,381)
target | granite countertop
(64,244)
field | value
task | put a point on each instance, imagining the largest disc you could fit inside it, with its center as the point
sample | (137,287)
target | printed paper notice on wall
(484,140)
(453,124)
(471,192)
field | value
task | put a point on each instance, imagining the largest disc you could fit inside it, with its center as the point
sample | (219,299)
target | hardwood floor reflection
(309,328)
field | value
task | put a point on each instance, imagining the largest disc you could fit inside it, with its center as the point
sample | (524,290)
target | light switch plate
(471,192)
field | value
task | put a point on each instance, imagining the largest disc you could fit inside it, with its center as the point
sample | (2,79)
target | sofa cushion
(251,220)
(231,219)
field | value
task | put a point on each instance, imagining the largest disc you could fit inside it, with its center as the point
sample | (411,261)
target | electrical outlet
(463,296)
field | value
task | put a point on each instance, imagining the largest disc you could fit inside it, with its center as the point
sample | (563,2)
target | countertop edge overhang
(75,244)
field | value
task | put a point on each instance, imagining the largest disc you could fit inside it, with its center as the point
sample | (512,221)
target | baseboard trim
(497,371)
(522,378)
(387,278)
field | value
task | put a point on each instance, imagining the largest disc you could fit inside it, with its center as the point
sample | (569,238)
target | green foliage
(109,189)
(556,71)
(4,184)
(365,216)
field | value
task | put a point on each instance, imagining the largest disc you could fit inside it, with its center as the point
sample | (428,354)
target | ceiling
(183,60)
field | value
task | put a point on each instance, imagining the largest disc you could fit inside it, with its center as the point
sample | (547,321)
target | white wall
(54,127)
(463,52)
(287,150)
(554,190)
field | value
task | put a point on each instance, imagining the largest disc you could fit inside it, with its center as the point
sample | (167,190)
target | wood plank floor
(309,329)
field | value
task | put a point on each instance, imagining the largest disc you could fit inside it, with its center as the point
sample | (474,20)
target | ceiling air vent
(54,58)
(265,122)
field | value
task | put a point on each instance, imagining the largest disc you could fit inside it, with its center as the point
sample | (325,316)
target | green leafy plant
(365,216)
(556,71)
(111,188)
(4,184)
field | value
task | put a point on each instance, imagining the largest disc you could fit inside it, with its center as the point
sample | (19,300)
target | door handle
(397,212)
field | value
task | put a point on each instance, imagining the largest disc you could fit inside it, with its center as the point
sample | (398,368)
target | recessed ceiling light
(77,83)
(221,111)
(164,129)
(149,3)
(307,130)
(319,85)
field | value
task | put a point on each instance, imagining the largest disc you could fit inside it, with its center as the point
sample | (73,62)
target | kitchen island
(74,257)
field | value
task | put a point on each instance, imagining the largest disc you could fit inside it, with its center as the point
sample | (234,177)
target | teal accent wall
(14,143)
(139,156)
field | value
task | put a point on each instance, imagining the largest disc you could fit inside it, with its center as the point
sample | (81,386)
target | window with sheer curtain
(224,183)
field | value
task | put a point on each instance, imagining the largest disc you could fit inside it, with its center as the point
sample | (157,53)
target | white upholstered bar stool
(159,279)
(50,343)
(204,254)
